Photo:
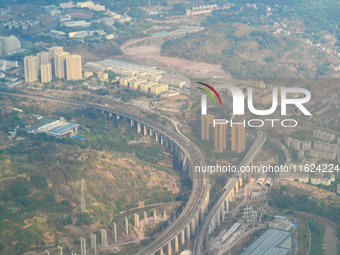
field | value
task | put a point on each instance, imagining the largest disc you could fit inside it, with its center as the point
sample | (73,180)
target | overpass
(185,152)
(222,205)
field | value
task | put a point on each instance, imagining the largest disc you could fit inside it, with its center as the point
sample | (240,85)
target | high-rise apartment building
(73,67)
(31,68)
(60,64)
(44,58)
(46,73)
(220,137)
(52,52)
(238,138)
(206,125)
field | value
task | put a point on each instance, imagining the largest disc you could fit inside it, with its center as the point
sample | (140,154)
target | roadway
(194,155)
(203,230)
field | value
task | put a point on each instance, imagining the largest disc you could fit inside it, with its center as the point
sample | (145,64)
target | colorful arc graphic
(208,92)
(213,90)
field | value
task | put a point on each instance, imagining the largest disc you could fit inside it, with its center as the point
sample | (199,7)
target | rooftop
(120,65)
(272,241)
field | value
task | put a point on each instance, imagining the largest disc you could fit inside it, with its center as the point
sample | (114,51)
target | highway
(198,248)
(194,155)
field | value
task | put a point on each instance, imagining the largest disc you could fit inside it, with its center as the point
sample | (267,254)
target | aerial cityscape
(158,127)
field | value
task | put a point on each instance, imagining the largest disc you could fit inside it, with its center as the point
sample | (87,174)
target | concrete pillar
(131,123)
(136,220)
(236,187)
(188,232)
(182,237)
(94,243)
(145,130)
(118,117)
(82,246)
(126,226)
(227,203)
(154,215)
(169,248)
(156,136)
(193,227)
(162,139)
(150,132)
(240,182)
(114,232)
(139,129)
(184,166)
(217,217)
(60,250)
(176,244)
(103,234)
(145,216)
(110,114)
(164,215)
(213,224)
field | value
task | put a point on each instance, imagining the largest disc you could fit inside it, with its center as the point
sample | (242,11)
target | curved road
(194,155)
(199,240)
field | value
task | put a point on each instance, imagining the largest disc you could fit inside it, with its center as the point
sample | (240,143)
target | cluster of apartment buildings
(317,149)
(9,45)
(144,85)
(134,76)
(218,135)
(22,24)
(202,9)
(314,178)
(55,62)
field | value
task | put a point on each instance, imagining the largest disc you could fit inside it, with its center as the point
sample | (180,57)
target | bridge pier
(126,226)
(218,218)
(139,128)
(169,248)
(240,182)
(193,227)
(145,216)
(136,220)
(156,136)
(176,244)
(182,237)
(145,130)
(118,117)
(110,114)
(151,131)
(188,232)
(161,252)
(162,139)
(184,163)
(131,123)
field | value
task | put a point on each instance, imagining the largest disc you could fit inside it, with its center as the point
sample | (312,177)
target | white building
(10,45)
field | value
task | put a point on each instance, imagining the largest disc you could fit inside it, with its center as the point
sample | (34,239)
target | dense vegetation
(35,172)
(285,200)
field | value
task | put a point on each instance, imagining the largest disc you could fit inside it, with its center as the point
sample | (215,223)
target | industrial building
(57,128)
(123,67)
(272,241)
